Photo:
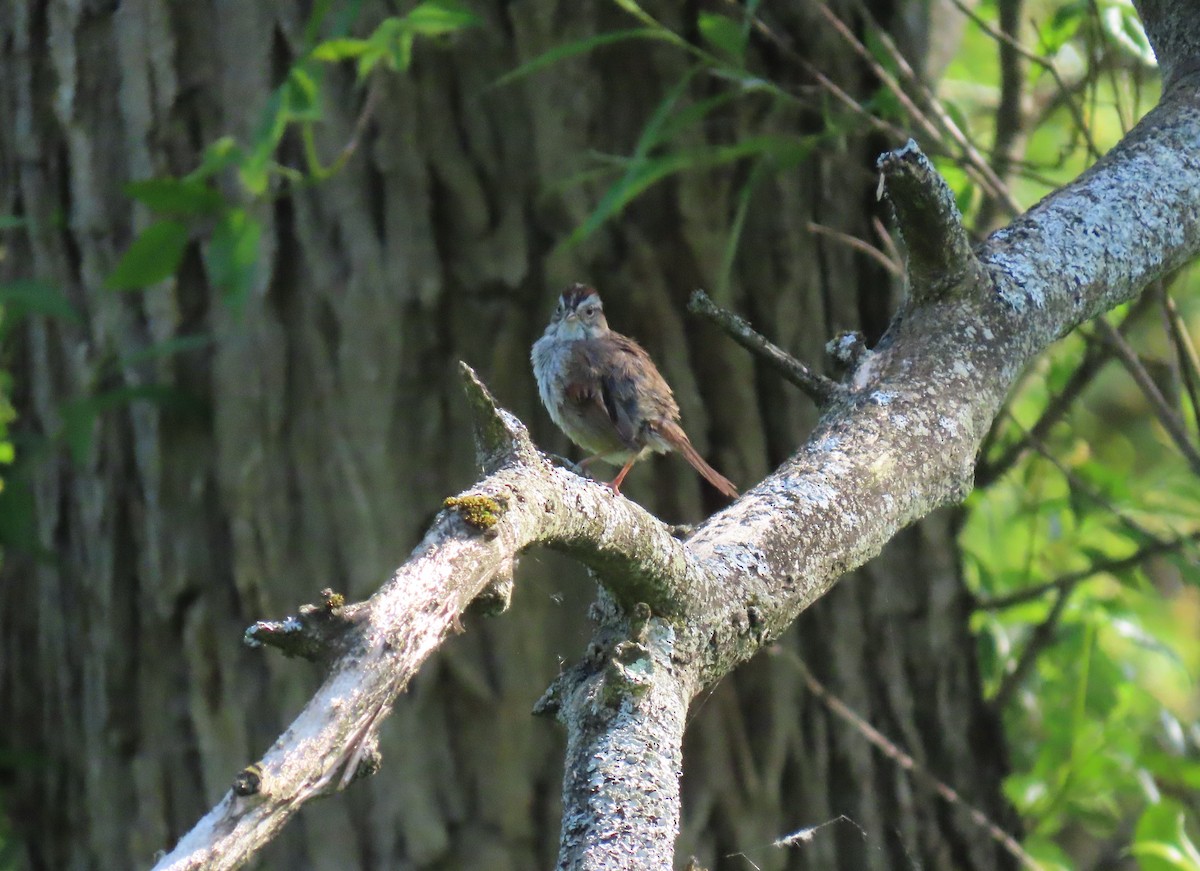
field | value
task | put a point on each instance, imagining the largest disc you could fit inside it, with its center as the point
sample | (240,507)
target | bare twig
(1082,488)
(895,267)
(1041,638)
(903,760)
(1189,362)
(1155,548)
(849,102)
(885,238)
(1009,117)
(1158,403)
(1044,62)
(821,389)
(974,162)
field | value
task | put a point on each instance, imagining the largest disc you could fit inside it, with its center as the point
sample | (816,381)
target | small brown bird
(605,393)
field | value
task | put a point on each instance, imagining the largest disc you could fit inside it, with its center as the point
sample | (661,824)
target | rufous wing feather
(674,435)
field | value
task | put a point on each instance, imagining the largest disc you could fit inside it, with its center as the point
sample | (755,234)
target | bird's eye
(590,311)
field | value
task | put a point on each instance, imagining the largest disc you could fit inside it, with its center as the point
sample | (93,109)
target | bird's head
(580,314)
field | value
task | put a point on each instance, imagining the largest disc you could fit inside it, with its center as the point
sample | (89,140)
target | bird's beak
(572,316)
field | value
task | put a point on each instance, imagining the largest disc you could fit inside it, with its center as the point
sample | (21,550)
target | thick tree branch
(1173,30)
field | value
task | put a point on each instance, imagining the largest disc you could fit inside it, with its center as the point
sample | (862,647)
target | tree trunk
(327,426)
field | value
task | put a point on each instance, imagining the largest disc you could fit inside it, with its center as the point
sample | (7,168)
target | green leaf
(380,45)
(680,121)
(724,34)
(1062,26)
(26,295)
(644,172)
(1120,21)
(571,49)
(438,17)
(400,57)
(154,255)
(1169,855)
(1161,841)
(745,195)
(233,255)
(176,196)
(222,153)
(301,96)
(334,50)
(13,222)
(272,124)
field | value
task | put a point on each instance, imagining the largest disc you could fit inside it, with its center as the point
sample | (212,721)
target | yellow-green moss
(479,511)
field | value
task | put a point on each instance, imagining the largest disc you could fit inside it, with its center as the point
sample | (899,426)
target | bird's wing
(597,396)
(636,391)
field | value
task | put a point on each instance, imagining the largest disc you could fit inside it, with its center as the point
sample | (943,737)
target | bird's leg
(615,484)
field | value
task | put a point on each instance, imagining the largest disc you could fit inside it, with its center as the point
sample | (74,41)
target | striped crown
(577,293)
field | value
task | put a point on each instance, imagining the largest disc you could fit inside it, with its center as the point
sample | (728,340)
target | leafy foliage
(672,139)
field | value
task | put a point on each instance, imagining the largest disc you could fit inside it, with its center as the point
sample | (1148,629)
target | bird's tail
(678,440)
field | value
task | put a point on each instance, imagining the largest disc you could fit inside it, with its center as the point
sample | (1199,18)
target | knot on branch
(939,250)
(499,436)
(316,633)
(629,672)
(248,781)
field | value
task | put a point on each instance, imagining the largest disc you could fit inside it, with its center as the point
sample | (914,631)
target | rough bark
(334,429)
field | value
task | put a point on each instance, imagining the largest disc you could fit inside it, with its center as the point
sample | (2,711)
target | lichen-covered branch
(1173,29)
(625,756)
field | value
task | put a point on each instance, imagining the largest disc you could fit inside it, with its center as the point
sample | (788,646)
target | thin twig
(885,238)
(845,99)
(986,177)
(1158,403)
(1029,594)
(1078,485)
(821,389)
(903,760)
(1189,362)
(1094,359)
(1045,63)
(1041,638)
(1009,116)
(970,166)
(896,268)
(364,117)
